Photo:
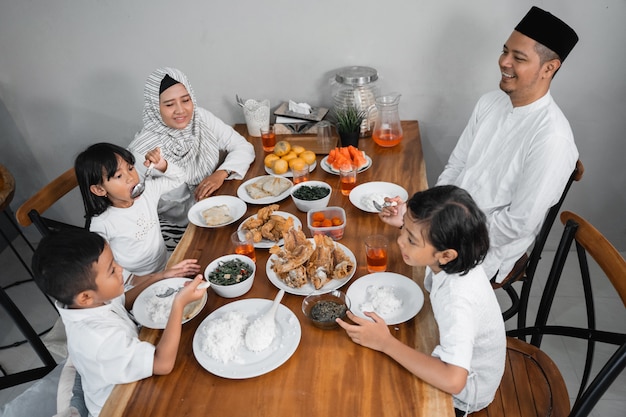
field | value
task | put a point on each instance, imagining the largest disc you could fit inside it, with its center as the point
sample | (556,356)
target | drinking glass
(347,178)
(376,253)
(244,244)
(324,135)
(268,138)
(301,174)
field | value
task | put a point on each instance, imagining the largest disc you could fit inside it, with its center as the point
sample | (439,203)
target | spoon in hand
(141,187)
(171,290)
(261,332)
(380,207)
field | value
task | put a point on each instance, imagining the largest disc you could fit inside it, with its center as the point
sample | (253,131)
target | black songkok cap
(548,30)
(166,83)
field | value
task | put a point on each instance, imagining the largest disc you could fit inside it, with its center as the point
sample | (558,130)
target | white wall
(72,73)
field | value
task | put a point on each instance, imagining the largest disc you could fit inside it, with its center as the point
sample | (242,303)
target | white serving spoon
(262,331)
(141,187)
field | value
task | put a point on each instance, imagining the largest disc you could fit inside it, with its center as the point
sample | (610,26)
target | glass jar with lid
(357,86)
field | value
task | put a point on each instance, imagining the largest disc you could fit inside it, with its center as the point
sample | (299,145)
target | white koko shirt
(471,332)
(514,162)
(104,347)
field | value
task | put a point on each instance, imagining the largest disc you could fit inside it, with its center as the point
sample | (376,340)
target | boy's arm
(184,268)
(442,375)
(375,335)
(167,348)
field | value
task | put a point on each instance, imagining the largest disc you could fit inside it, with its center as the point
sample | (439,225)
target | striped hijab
(193,148)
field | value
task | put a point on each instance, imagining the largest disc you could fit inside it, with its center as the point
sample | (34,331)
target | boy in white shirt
(77,268)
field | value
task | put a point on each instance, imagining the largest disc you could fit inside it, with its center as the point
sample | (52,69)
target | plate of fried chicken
(268,225)
(304,266)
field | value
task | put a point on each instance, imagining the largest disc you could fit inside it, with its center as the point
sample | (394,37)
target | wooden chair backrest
(602,251)
(47,196)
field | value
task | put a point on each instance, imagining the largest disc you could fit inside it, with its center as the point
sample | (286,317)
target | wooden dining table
(328,374)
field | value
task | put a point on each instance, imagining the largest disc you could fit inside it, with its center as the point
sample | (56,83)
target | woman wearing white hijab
(191,137)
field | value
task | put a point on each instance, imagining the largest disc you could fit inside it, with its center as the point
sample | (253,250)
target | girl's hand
(154,157)
(394,215)
(190,291)
(209,185)
(184,268)
(365,332)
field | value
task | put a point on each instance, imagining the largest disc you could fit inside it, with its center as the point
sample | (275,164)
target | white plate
(328,168)
(148,296)
(266,243)
(251,364)
(370,190)
(308,288)
(236,206)
(289,173)
(404,288)
(243,193)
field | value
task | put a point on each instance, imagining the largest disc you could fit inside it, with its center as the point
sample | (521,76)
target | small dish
(242,193)
(152,311)
(363,195)
(404,288)
(236,206)
(328,168)
(232,290)
(322,309)
(331,213)
(306,205)
(266,243)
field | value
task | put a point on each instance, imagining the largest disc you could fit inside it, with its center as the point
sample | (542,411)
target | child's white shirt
(134,233)
(471,332)
(103,345)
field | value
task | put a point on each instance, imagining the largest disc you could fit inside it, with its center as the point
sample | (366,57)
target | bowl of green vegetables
(231,275)
(309,195)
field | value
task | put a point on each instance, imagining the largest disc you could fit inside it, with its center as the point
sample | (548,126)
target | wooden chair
(532,384)
(525,267)
(31,211)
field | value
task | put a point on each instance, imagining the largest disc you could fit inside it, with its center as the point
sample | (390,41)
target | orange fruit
(280,166)
(297,163)
(308,156)
(318,217)
(282,148)
(298,149)
(289,156)
(270,159)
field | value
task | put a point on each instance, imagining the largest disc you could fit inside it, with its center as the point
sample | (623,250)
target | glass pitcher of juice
(387,128)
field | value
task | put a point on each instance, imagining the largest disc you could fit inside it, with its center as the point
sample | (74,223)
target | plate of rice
(153,312)
(392,296)
(219,345)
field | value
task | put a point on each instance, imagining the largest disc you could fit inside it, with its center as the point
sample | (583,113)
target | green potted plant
(348,122)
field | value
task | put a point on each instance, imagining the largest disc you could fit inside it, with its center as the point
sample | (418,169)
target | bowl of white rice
(231,275)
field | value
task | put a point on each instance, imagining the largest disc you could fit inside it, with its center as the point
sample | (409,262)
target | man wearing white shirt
(517,151)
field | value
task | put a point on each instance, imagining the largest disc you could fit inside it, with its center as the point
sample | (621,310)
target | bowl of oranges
(330,221)
(287,157)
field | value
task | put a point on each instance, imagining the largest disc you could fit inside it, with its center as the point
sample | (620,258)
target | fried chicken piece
(264,213)
(296,251)
(320,265)
(295,278)
(343,264)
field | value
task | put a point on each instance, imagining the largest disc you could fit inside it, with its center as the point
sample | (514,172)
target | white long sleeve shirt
(134,233)
(514,162)
(471,332)
(104,346)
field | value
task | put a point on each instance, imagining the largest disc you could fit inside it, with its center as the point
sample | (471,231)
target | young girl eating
(106,177)
(445,231)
